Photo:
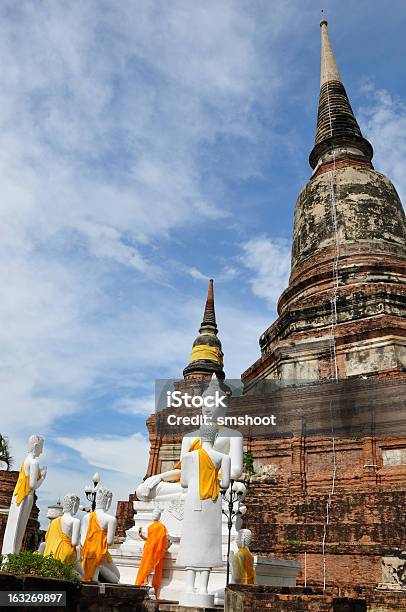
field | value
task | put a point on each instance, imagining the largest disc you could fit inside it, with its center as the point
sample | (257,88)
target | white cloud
(100,160)
(74,106)
(269,262)
(127,455)
(135,405)
(384,124)
(196,274)
(239,333)
(106,114)
(228,273)
(66,479)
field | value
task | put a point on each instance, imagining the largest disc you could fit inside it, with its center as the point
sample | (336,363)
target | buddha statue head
(71,503)
(208,432)
(103,498)
(244,538)
(214,400)
(35,445)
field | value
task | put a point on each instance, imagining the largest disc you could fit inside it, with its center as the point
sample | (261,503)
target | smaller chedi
(242,562)
(63,534)
(30,478)
(200,544)
(152,561)
(97,534)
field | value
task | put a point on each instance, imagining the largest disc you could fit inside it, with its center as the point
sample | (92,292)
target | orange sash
(58,544)
(153,555)
(95,549)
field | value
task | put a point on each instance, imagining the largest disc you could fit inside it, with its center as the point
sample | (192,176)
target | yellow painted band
(204,351)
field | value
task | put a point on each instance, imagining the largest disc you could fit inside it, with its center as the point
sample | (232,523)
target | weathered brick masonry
(346,599)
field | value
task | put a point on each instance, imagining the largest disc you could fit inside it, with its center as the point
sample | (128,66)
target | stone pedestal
(127,557)
(172,516)
(276,572)
(196,600)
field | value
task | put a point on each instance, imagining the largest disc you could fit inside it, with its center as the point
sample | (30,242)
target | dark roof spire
(337,127)
(207,355)
(209,317)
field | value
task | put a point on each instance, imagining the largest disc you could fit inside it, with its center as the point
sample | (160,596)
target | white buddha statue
(201,541)
(97,534)
(242,561)
(228,441)
(30,478)
(63,535)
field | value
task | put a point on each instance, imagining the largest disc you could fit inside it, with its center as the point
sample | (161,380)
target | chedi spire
(209,317)
(338,133)
(206,358)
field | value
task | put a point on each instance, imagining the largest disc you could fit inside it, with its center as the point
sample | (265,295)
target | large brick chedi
(341,322)
(348,249)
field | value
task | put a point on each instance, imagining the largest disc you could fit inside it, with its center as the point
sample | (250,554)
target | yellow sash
(58,544)
(194,446)
(95,549)
(204,351)
(22,488)
(209,486)
(245,562)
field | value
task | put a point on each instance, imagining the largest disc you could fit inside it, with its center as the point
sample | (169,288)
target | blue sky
(147,146)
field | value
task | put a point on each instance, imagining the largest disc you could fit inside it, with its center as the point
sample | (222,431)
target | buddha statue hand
(152,482)
(43,473)
(144,489)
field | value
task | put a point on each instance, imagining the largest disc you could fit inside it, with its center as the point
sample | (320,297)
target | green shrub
(5,456)
(39,565)
(249,462)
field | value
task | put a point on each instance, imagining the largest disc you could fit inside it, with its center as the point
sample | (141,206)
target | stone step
(166,606)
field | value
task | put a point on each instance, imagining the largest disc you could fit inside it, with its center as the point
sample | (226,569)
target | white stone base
(276,572)
(269,571)
(196,600)
(173,579)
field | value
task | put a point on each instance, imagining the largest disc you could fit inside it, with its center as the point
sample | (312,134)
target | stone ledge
(173,607)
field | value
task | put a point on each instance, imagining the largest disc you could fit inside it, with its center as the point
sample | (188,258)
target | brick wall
(283,599)
(240,598)
(124,514)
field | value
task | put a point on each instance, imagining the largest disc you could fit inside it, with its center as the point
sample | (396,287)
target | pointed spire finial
(209,317)
(337,128)
(328,70)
